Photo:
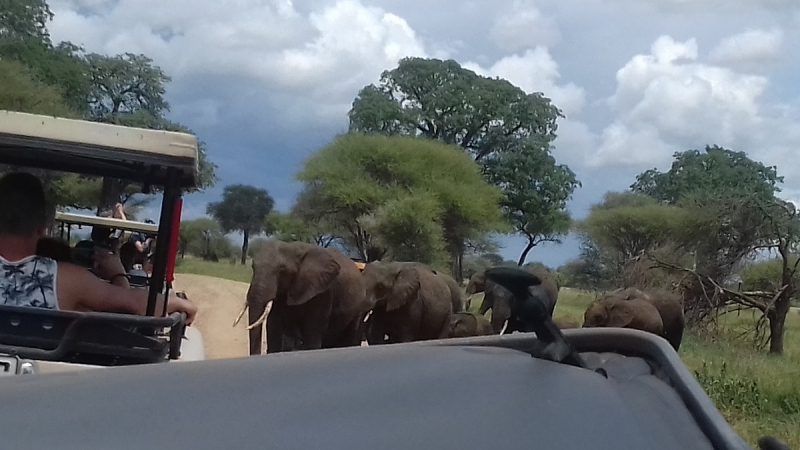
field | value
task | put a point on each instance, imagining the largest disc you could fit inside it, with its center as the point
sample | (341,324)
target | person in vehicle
(54,249)
(127,253)
(27,279)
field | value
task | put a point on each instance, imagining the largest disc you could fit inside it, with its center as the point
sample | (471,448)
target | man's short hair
(23,207)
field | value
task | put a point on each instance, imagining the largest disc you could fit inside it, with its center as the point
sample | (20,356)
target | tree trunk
(457,261)
(524,254)
(245,243)
(777,322)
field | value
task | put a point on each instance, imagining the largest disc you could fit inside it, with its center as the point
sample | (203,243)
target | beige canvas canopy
(110,222)
(93,148)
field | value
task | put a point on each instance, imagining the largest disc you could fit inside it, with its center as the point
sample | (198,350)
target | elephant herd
(312,297)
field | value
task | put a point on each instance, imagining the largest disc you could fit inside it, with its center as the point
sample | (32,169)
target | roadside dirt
(219,302)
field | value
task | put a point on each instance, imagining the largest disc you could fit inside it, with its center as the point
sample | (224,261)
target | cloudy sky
(267,82)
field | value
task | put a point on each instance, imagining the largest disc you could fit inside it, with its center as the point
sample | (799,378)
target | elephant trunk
(259,295)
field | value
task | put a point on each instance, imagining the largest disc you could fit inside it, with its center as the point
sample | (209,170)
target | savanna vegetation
(438,162)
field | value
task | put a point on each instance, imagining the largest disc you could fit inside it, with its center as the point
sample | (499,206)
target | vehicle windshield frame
(164,159)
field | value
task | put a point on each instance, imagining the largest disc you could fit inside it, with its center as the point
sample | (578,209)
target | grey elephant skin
(465,324)
(669,306)
(411,303)
(318,298)
(456,294)
(498,298)
(619,312)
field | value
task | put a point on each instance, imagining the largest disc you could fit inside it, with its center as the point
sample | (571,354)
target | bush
(731,391)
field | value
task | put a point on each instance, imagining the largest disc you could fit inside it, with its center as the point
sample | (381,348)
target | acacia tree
(398,197)
(536,193)
(508,132)
(242,208)
(712,184)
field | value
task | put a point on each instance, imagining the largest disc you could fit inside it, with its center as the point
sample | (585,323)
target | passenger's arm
(79,289)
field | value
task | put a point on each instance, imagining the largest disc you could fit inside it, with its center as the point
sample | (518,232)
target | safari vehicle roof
(93,148)
(470,393)
(110,222)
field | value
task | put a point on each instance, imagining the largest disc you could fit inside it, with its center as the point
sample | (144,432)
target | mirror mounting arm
(529,313)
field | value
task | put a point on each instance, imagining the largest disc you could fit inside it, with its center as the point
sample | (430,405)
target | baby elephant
(616,312)
(464,324)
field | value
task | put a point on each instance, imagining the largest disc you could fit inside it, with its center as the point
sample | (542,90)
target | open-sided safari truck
(36,340)
(137,276)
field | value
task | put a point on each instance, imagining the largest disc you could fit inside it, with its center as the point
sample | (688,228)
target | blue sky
(266,83)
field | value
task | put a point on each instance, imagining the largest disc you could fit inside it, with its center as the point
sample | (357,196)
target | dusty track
(218,301)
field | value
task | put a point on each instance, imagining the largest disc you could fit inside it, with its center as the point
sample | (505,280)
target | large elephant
(498,298)
(618,312)
(318,298)
(464,324)
(411,302)
(456,294)
(669,306)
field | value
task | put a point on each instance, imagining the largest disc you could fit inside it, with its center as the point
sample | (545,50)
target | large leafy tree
(621,228)
(125,84)
(508,132)
(398,197)
(124,89)
(712,185)
(21,19)
(203,237)
(242,208)
(536,193)
(714,171)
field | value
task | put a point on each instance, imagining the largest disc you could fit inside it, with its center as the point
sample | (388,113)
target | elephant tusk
(239,317)
(505,325)
(260,320)
(263,317)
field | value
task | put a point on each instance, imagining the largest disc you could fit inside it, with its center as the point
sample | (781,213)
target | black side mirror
(771,443)
(528,313)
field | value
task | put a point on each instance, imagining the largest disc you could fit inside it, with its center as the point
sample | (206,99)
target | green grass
(756,392)
(226,270)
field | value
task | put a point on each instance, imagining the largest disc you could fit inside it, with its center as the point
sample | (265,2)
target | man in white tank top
(39,282)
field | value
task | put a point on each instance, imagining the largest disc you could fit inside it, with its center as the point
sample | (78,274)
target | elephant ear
(619,315)
(317,271)
(405,287)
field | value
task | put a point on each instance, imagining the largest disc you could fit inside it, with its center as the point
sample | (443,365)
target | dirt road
(219,302)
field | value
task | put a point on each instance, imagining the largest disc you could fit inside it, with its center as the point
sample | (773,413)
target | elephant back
(456,296)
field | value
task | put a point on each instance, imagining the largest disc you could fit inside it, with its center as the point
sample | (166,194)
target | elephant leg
(376,327)
(314,321)
(402,325)
(275,331)
(350,336)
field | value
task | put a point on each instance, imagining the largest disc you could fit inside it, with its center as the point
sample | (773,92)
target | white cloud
(756,46)
(689,6)
(322,58)
(536,71)
(520,25)
(626,146)
(668,100)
